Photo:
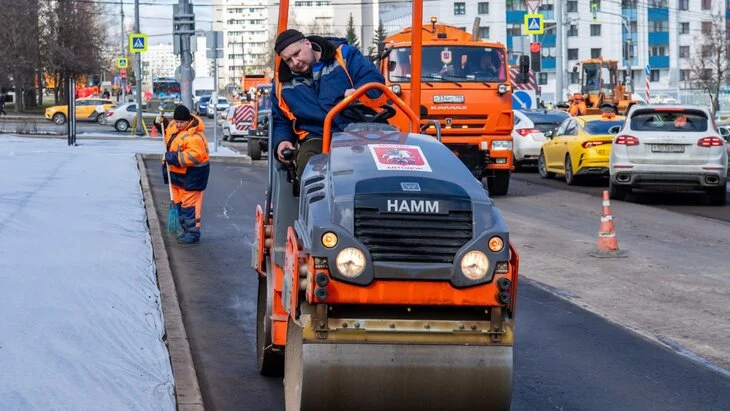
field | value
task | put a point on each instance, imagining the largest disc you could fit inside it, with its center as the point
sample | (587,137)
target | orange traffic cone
(154,131)
(607,245)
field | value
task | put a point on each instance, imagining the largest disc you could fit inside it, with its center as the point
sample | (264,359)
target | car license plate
(667,148)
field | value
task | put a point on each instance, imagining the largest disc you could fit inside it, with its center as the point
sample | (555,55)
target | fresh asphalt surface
(694,203)
(565,357)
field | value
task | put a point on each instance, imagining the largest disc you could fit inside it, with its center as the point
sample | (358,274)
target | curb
(187,389)
(243,159)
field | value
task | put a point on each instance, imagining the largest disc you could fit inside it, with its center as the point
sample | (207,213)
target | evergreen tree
(351,34)
(378,38)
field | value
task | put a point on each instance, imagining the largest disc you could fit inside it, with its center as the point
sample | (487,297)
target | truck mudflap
(384,365)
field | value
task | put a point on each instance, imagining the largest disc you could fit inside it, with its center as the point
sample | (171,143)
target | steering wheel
(364,114)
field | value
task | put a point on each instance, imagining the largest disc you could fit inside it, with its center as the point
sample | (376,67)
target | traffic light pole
(138,129)
(122,81)
(183,28)
(559,59)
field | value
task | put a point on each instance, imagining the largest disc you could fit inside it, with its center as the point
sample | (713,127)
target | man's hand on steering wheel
(285,152)
(362,113)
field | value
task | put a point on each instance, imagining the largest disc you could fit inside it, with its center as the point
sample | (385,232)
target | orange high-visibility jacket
(189,166)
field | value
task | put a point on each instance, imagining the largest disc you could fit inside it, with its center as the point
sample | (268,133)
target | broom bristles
(173,220)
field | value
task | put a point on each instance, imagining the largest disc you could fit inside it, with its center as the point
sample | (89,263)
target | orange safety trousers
(189,199)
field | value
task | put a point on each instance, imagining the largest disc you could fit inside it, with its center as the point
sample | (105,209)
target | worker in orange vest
(187,158)
(578,106)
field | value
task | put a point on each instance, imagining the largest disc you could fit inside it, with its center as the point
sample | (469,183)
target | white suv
(669,148)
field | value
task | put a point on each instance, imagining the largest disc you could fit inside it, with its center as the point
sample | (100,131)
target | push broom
(173,218)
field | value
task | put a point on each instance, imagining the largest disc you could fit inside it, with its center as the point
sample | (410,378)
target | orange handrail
(327,132)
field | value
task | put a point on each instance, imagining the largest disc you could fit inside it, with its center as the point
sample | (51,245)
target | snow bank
(80,317)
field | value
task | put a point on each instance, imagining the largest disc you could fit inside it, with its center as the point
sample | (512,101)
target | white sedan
(122,117)
(528,134)
(669,148)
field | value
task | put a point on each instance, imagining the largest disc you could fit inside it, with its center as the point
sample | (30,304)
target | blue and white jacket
(309,97)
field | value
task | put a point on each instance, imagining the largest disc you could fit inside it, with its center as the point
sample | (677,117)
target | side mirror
(575,69)
(549,134)
(524,69)
(391,66)
(614,130)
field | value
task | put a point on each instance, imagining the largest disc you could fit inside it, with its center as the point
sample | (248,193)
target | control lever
(288,154)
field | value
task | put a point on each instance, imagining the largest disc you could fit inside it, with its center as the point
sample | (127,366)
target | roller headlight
(496,244)
(329,239)
(350,262)
(474,265)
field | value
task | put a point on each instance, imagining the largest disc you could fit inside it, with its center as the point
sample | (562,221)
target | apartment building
(665,35)
(159,61)
(246,31)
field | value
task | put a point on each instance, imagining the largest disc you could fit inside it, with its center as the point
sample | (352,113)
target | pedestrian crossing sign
(137,43)
(122,62)
(534,24)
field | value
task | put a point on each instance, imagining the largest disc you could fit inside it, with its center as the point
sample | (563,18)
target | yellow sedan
(85,110)
(581,146)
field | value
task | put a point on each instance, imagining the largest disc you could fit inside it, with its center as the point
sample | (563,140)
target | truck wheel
(616,192)
(542,167)
(499,184)
(254,149)
(718,195)
(269,362)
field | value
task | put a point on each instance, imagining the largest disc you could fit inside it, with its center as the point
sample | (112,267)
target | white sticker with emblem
(407,186)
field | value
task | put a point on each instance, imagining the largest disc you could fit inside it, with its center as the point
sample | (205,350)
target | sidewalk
(80,318)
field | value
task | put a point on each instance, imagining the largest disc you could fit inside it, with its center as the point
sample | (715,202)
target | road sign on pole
(137,43)
(122,62)
(534,24)
(532,5)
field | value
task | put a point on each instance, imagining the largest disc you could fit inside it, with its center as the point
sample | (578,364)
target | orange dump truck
(466,88)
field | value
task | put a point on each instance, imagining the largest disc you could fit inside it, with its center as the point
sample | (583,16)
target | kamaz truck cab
(465,86)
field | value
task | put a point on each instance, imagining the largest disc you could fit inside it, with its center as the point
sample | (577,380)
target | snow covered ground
(80,315)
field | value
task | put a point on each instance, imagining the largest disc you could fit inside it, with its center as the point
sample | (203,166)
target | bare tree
(709,66)
(19,45)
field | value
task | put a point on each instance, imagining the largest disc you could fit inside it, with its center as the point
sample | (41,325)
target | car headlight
(396,89)
(501,145)
(350,262)
(502,88)
(474,265)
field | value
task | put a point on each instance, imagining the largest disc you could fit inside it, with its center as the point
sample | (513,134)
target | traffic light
(524,69)
(535,57)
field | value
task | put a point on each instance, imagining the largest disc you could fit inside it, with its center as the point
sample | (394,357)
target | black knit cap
(182,113)
(286,38)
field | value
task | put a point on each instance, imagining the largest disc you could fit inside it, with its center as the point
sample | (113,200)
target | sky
(156,18)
